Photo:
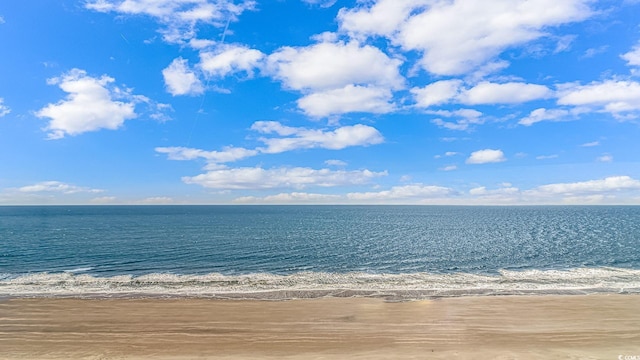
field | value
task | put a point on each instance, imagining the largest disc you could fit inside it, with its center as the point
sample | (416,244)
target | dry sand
(508,327)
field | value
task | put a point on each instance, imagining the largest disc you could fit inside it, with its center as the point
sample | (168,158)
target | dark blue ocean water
(219,247)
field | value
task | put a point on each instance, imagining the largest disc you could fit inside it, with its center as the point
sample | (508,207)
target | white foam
(314,284)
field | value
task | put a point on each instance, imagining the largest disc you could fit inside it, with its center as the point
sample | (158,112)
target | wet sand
(501,327)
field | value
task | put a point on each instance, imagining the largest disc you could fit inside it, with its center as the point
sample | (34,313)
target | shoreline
(600,326)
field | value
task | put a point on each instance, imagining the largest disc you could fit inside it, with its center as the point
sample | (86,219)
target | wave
(407,286)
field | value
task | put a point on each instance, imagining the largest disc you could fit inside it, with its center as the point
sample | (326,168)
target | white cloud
(327,66)
(457,36)
(321,3)
(486,156)
(228,154)
(467,117)
(543,114)
(230,59)
(613,96)
(452,91)
(414,191)
(506,93)
(348,99)
(590,144)
(609,184)
(449,168)
(103,200)
(287,198)
(4,109)
(632,57)
(90,105)
(180,79)
(334,162)
(56,187)
(506,189)
(1,20)
(297,177)
(179,17)
(439,92)
(288,139)
(605,158)
(156,200)
(546,157)
(302,138)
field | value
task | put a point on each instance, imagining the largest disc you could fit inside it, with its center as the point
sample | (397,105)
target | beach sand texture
(497,327)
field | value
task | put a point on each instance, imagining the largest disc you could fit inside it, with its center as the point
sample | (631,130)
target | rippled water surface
(317,243)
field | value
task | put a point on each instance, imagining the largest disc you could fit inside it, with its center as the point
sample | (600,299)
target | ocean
(286,252)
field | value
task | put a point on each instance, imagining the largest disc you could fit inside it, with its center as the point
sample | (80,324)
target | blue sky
(319,101)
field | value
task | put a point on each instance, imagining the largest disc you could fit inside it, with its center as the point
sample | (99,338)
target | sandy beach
(508,327)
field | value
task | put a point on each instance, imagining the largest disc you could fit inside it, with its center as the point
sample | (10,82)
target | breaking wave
(407,286)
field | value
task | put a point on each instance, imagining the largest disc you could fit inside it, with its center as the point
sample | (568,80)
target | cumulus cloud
(609,184)
(180,79)
(288,198)
(349,99)
(439,92)
(4,109)
(452,91)
(486,156)
(413,191)
(506,93)
(178,17)
(283,177)
(605,158)
(618,97)
(228,154)
(230,59)
(327,66)
(466,118)
(56,187)
(632,57)
(321,3)
(91,104)
(543,114)
(458,36)
(301,138)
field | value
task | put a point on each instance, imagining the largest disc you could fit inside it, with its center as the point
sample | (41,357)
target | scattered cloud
(177,17)
(290,198)
(2,20)
(302,138)
(103,200)
(349,99)
(156,200)
(4,109)
(230,59)
(505,93)
(466,118)
(228,154)
(333,162)
(591,144)
(591,52)
(543,114)
(483,93)
(56,187)
(321,3)
(605,158)
(486,156)
(632,57)
(91,104)
(609,184)
(413,191)
(439,92)
(283,177)
(480,33)
(449,168)
(180,79)
(327,66)
(618,97)
(546,157)
(287,138)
